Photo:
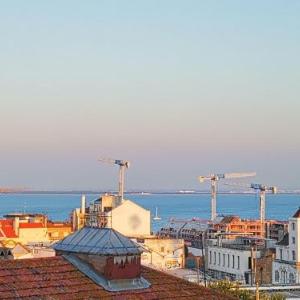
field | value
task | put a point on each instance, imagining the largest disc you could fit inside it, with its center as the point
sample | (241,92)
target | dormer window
(106,256)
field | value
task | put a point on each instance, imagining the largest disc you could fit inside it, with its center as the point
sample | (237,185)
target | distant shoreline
(139,193)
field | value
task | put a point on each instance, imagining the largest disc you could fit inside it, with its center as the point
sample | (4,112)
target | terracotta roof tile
(55,278)
(31,225)
(7,229)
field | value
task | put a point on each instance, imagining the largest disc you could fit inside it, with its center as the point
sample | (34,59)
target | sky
(178,88)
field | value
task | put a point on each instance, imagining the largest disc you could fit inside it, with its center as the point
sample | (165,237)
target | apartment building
(286,266)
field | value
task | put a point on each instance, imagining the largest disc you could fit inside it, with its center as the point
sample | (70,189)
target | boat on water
(156,217)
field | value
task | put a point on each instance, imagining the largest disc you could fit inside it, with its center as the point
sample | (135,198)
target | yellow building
(32,228)
(163,253)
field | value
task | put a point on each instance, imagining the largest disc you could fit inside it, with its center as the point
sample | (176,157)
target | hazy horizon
(179,88)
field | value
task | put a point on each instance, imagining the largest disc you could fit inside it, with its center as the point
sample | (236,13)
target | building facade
(110,211)
(236,259)
(271,229)
(286,266)
(163,253)
(32,228)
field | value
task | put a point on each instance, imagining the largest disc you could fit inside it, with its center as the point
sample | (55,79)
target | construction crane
(214,178)
(262,189)
(262,197)
(123,164)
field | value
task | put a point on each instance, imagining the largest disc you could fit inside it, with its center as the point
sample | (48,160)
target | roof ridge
(117,235)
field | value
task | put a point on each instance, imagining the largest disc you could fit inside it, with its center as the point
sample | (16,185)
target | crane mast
(262,197)
(262,189)
(214,178)
(123,165)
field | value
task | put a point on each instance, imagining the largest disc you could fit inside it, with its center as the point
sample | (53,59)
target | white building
(286,267)
(233,259)
(163,253)
(111,211)
(130,219)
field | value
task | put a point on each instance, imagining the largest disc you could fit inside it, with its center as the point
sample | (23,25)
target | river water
(183,206)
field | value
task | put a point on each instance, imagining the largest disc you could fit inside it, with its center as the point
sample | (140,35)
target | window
(276,276)
(210,257)
(294,255)
(162,249)
(228,260)
(219,259)
(215,258)
(238,262)
(223,260)
(280,251)
(232,261)
(293,226)
(293,240)
(283,276)
(249,262)
(292,278)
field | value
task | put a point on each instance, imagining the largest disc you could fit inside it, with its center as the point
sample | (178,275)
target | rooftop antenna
(123,165)
(214,178)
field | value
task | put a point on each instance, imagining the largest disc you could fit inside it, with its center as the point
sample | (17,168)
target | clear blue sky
(179,88)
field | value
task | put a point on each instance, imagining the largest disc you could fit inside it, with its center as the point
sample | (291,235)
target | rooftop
(230,219)
(31,225)
(56,278)
(297,213)
(20,214)
(284,241)
(98,241)
(6,229)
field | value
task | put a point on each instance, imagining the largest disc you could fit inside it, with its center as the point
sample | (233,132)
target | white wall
(284,273)
(284,268)
(164,253)
(131,219)
(294,244)
(283,253)
(240,260)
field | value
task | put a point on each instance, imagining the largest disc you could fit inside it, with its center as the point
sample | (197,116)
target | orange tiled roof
(56,278)
(31,225)
(6,229)
(58,225)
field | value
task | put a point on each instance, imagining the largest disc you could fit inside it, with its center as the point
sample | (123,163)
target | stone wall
(264,267)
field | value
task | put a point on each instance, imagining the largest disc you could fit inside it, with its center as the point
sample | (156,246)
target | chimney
(74,220)
(16,225)
(106,256)
(83,201)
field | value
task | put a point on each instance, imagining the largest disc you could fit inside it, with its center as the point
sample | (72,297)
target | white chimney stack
(16,225)
(83,204)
